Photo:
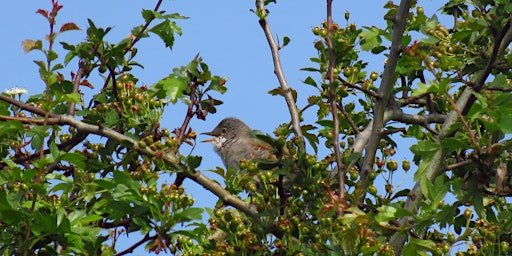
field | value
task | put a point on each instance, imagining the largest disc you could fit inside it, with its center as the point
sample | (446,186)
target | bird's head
(226,131)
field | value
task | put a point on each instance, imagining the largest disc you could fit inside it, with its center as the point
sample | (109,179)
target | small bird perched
(234,141)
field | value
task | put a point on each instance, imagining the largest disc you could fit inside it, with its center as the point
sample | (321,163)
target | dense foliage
(80,172)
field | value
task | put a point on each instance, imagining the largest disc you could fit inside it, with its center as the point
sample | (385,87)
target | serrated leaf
(10,127)
(279,91)
(172,87)
(385,214)
(147,15)
(370,38)
(165,30)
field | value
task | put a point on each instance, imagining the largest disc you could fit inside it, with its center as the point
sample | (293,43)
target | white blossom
(16,91)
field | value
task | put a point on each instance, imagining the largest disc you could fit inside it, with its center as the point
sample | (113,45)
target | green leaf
(14,199)
(425,146)
(13,127)
(76,159)
(172,87)
(286,41)
(193,162)
(310,81)
(123,178)
(370,38)
(189,214)
(72,97)
(505,122)
(385,214)
(454,144)
(352,158)
(422,245)
(54,150)
(147,15)
(165,30)
(437,191)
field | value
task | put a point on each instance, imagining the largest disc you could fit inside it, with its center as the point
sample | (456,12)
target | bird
(235,141)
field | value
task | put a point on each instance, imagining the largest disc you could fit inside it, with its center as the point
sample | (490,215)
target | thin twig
(349,119)
(501,89)
(366,91)
(334,110)
(278,70)
(458,165)
(463,120)
(135,39)
(76,85)
(130,249)
(413,99)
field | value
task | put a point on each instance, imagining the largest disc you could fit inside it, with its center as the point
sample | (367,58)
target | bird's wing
(265,150)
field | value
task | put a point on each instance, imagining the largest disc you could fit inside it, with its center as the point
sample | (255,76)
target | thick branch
(24,106)
(395,114)
(388,79)
(278,70)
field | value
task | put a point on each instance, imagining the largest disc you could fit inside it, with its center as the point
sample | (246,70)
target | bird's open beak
(214,136)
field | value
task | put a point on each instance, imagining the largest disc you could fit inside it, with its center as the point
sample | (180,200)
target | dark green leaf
(286,41)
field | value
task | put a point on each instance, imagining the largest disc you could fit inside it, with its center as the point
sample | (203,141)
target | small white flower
(16,91)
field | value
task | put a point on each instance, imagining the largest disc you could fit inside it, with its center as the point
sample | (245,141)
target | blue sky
(225,33)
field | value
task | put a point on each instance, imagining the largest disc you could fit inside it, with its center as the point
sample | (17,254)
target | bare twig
(287,91)
(334,110)
(76,85)
(413,99)
(366,91)
(458,165)
(349,119)
(143,30)
(501,89)
(391,131)
(463,120)
(130,249)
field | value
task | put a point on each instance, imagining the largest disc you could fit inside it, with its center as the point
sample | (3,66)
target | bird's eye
(223,130)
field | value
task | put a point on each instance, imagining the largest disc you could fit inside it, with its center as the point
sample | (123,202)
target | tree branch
(287,91)
(388,79)
(334,110)
(76,85)
(366,91)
